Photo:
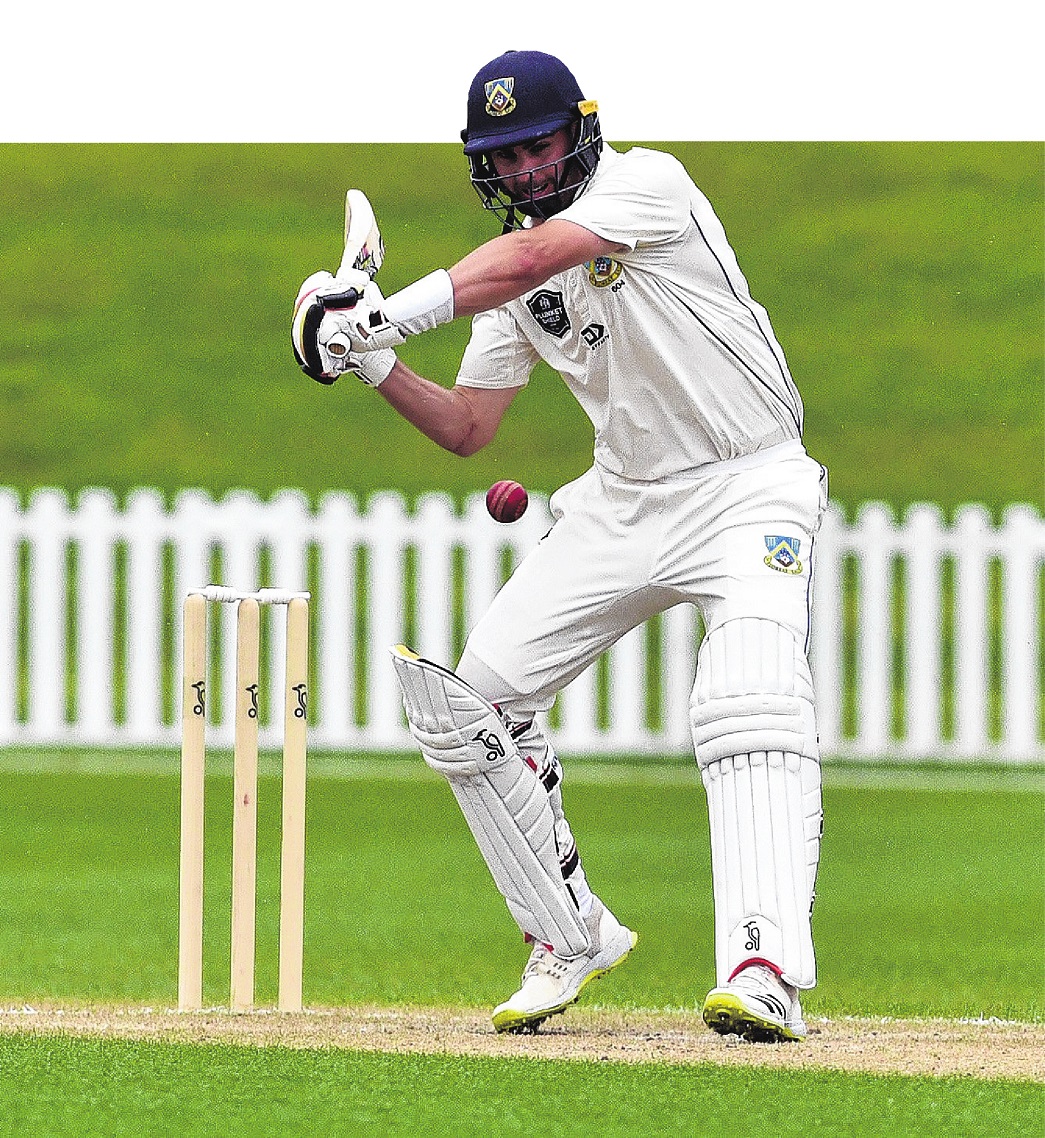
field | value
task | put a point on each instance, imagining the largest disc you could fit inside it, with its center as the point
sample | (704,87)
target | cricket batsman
(614,269)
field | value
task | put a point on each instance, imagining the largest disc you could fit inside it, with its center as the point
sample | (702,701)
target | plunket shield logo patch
(499,99)
(783,553)
(549,310)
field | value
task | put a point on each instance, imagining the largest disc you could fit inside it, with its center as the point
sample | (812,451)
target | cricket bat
(364,248)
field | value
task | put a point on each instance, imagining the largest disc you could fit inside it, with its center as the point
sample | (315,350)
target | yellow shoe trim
(729,1015)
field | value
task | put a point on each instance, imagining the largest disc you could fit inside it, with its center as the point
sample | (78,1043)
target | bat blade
(364,248)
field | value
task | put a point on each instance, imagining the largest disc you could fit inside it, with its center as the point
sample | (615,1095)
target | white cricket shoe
(551,983)
(756,1005)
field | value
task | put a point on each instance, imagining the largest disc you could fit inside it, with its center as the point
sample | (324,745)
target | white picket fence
(927,636)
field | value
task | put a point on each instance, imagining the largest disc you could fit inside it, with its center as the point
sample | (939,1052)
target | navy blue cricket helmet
(517,98)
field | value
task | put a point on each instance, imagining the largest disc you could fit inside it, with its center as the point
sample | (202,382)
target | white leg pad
(462,736)
(765,814)
(754,734)
(753,692)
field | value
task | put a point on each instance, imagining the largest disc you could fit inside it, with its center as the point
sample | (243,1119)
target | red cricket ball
(507,501)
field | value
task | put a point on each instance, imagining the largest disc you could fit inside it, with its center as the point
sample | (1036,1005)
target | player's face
(533,170)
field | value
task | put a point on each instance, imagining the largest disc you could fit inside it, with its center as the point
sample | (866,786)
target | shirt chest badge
(549,310)
(604,271)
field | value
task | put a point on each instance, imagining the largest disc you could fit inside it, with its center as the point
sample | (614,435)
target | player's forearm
(438,412)
(499,271)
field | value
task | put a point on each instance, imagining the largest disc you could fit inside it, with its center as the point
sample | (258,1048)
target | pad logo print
(499,99)
(494,746)
(754,937)
(783,554)
(603,271)
(548,309)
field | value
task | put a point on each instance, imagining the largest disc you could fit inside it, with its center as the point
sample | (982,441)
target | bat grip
(347,299)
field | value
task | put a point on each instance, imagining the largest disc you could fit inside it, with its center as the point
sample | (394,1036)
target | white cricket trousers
(735,538)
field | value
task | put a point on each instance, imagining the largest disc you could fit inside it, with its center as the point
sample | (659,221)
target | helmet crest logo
(499,99)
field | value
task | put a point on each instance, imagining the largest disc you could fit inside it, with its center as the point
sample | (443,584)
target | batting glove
(371,367)
(322,314)
(375,324)
(361,328)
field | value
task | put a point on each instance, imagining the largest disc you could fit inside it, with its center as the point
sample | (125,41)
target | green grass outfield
(64,1087)
(931,894)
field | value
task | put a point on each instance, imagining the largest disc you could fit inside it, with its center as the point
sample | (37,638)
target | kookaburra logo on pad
(494,746)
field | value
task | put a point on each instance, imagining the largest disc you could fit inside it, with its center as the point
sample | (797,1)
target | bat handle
(347,299)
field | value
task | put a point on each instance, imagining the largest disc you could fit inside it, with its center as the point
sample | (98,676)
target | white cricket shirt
(670,357)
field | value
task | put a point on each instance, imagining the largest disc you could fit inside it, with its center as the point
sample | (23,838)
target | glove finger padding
(360,327)
(373,331)
(304,327)
(344,290)
(371,367)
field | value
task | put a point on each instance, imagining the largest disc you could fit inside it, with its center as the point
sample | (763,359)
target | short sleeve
(641,198)
(498,354)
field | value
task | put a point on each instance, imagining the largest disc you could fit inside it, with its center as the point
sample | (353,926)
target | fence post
(875,538)
(1021,630)
(92,527)
(386,606)
(482,571)
(144,530)
(47,529)
(627,729)
(434,540)
(971,680)
(922,689)
(337,527)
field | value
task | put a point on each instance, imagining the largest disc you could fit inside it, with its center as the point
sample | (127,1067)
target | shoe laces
(544,962)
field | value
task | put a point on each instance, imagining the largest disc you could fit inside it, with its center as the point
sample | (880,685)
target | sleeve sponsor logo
(593,335)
